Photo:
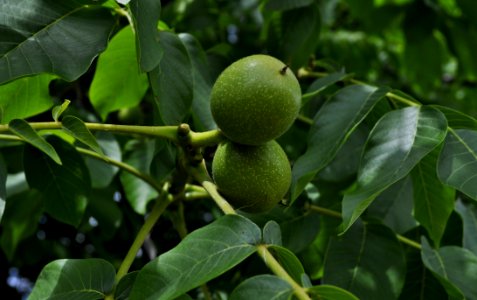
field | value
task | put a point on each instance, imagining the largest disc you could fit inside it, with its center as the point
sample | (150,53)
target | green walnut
(251,178)
(255,100)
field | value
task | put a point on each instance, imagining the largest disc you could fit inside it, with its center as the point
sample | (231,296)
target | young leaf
(368,261)
(25,97)
(76,128)
(331,127)
(87,279)
(64,187)
(457,164)
(109,91)
(396,144)
(321,84)
(263,287)
(172,81)
(203,255)
(272,234)
(288,261)
(3,185)
(24,130)
(455,267)
(59,109)
(145,16)
(329,292)
(79,28)
(468,212)
(433,202)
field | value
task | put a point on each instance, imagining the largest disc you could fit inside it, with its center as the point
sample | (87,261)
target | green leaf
(433,202)
(468,9)
(457,164)
(20,221)
(64,187)
(262,287)
(203,255)
(468,212)
(77,129)
(272,234)
(86,279)
(3,185)
(58,110)
(24,97)
(394,206)
(367,261)
(399,140)
(329,292)
(138,192)
(109,91)
(286,4)
(145,16)
(455,267)
(332,125)
(288,261)
(172,81)
(105,210)
(34,31)
(321,84)
(22,129)
(457,119)
(123,289)
(463,38)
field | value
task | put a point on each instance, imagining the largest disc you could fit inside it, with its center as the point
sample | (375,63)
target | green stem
(335,214)
(159,207)
(305,120)
(206,138)
(278,270)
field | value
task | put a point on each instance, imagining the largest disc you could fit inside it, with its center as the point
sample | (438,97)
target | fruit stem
(206,138)
(278,270)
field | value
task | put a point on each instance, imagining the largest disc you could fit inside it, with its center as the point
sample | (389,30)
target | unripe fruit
(252,178)
(255,100)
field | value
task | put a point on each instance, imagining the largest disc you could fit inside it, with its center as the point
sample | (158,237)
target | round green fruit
(255,100)
(252,178)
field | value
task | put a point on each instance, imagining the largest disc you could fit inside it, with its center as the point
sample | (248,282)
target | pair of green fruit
(254,101)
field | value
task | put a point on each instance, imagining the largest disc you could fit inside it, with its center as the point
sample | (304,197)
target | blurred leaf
(457,164)
(87,279)
(457,119)
(123,289)
(33,33)
(109,90)
(24,130)
(272,234)
(103,208)
(455,267)
(463,39)
(202,83)
(286,4)
(329,292)
(76,128)
(138,192)
(172,81)
(468,9)
(145,16)
(468,212)
(367,261)
(288,261)
(204,254)
(58,110)
(64,187)
(398,141)
(263,287)
(3,186)
(433,202)
(394,206)
(22,212)
(331,127)
(24,97)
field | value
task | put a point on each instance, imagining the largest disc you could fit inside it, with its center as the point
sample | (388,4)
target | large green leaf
(433,201)
(331,127)
(457,119)
(64,187)
(3,185)
(172,81)
(455,267)
(77,129)
(203,255)
(34,31)
(145,16)
(109,91)
(16,97)
(24,130)
(85,279)
(399,140)
(262,287)
(367,261)
(468,212)
(329,292)
(457,164)
(22,212)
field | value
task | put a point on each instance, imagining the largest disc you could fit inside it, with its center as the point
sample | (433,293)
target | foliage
(106,139)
